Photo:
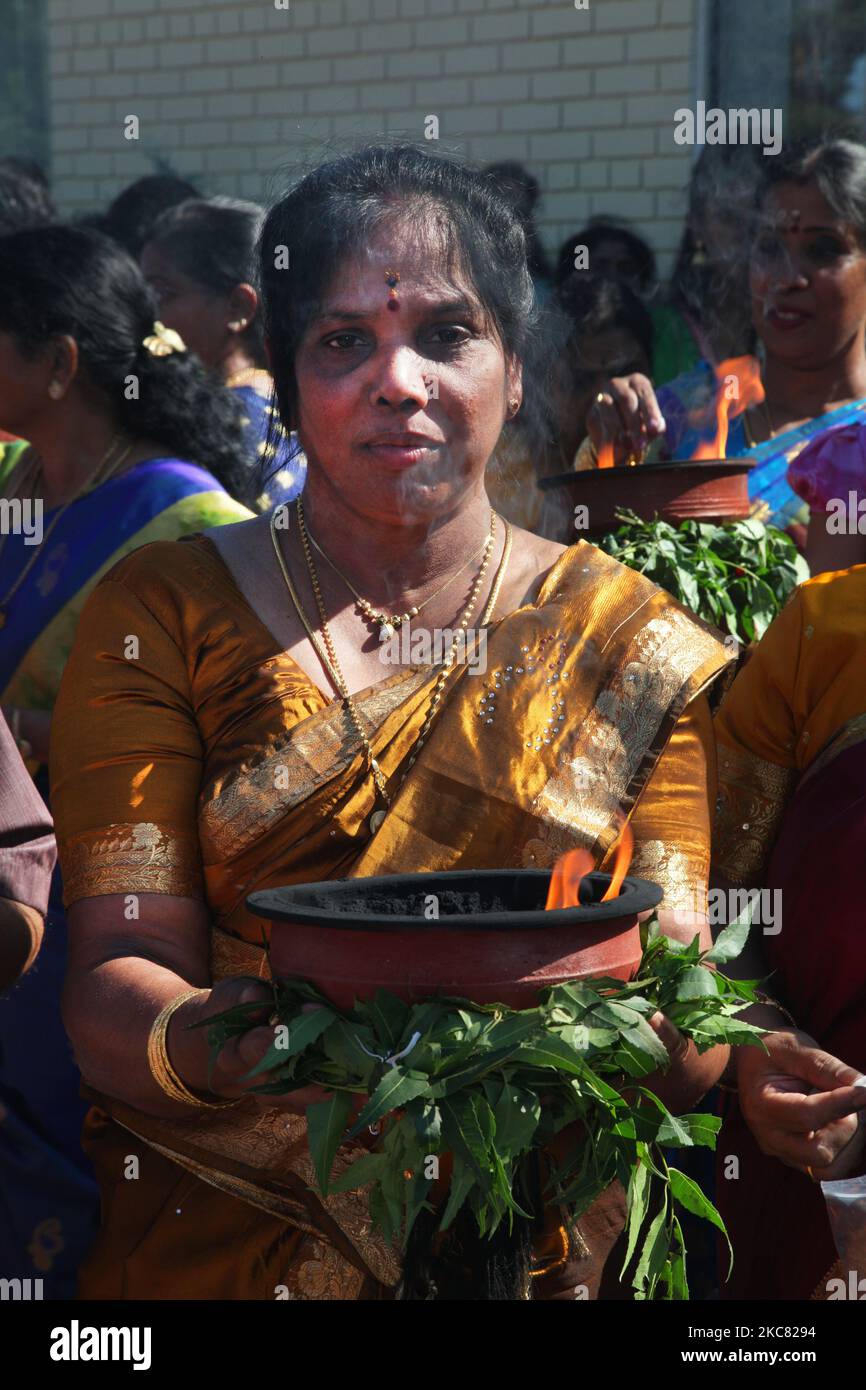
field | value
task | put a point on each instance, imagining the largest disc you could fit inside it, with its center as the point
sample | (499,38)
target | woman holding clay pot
(266,734)
(807,281)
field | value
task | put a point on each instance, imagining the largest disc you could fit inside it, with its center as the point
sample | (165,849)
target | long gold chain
(328,655)
(389,622)
(102,472)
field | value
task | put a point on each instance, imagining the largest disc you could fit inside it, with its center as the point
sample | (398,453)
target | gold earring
(513,407)
(55,390)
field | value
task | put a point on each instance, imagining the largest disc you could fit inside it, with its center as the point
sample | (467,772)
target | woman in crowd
(131,441)
(200,261)
(258,740)
(807,282)
(611,335)
(708,290)
(791,819)
(602,329)
(608,249)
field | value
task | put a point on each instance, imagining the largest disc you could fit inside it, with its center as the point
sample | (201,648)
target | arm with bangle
(130,997)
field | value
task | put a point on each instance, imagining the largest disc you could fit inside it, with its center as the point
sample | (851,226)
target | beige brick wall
(241,94)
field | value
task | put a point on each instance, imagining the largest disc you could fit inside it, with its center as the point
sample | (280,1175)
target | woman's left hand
(690,1074)
(802,1106)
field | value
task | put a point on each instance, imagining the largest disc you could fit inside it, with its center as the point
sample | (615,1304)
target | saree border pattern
(621,737)
(313,753)
(145,857)
(752,797)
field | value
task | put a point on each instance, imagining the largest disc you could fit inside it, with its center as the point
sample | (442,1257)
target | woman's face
(399,410)
(199,315)
(807,278)
(615,260)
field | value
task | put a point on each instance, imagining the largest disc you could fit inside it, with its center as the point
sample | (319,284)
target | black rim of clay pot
(673,465)
(340,903)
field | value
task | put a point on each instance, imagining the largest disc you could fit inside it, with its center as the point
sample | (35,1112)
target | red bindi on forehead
(392,278)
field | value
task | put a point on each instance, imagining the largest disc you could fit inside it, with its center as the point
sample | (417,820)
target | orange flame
(570,868)
(624,846)
(734,396)
(605,455)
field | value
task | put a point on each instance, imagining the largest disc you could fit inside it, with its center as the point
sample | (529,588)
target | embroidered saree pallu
(216,768)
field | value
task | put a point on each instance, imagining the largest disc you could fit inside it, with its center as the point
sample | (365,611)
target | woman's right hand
(626,415)
(229,1078)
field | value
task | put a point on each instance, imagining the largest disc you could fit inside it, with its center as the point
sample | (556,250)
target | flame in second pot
(570,868)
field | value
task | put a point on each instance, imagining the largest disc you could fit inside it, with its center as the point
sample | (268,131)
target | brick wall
(239,93)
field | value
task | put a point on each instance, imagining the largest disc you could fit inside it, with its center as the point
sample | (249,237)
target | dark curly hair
(341,205)
(70,280)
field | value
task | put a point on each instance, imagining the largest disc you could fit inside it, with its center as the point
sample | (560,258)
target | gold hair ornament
(162,342)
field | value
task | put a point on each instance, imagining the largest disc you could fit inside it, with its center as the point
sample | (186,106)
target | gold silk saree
(210,766)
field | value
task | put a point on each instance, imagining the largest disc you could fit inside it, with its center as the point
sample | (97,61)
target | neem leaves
(488,1085)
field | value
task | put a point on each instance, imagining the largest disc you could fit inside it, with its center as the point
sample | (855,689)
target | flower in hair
(163,341)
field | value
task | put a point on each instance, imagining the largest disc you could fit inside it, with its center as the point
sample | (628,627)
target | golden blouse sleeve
(756,738)
(126,756)
(672,818)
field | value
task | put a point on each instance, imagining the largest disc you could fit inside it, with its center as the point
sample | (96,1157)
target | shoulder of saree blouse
(834,601)
(606,594)
(178,580)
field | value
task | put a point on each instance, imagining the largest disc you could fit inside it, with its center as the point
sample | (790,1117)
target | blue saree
(49,1201)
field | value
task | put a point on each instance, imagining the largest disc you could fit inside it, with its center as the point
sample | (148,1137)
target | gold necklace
(100,475)
(328,656)
(389,622)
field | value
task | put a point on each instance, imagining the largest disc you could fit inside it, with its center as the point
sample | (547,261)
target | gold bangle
(161,1068)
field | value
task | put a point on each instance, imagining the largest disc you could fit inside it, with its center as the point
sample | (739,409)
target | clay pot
(492,941)
(688,490)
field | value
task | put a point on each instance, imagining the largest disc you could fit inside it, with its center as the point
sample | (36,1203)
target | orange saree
(210,766)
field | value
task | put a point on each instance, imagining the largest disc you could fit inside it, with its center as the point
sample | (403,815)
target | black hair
(838,168)
(69,280)
(213,242)
(522,189)
(339,205)
(131,215)
(596,303)
(600,229)
(27,168)
(724,183)
(24,201)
